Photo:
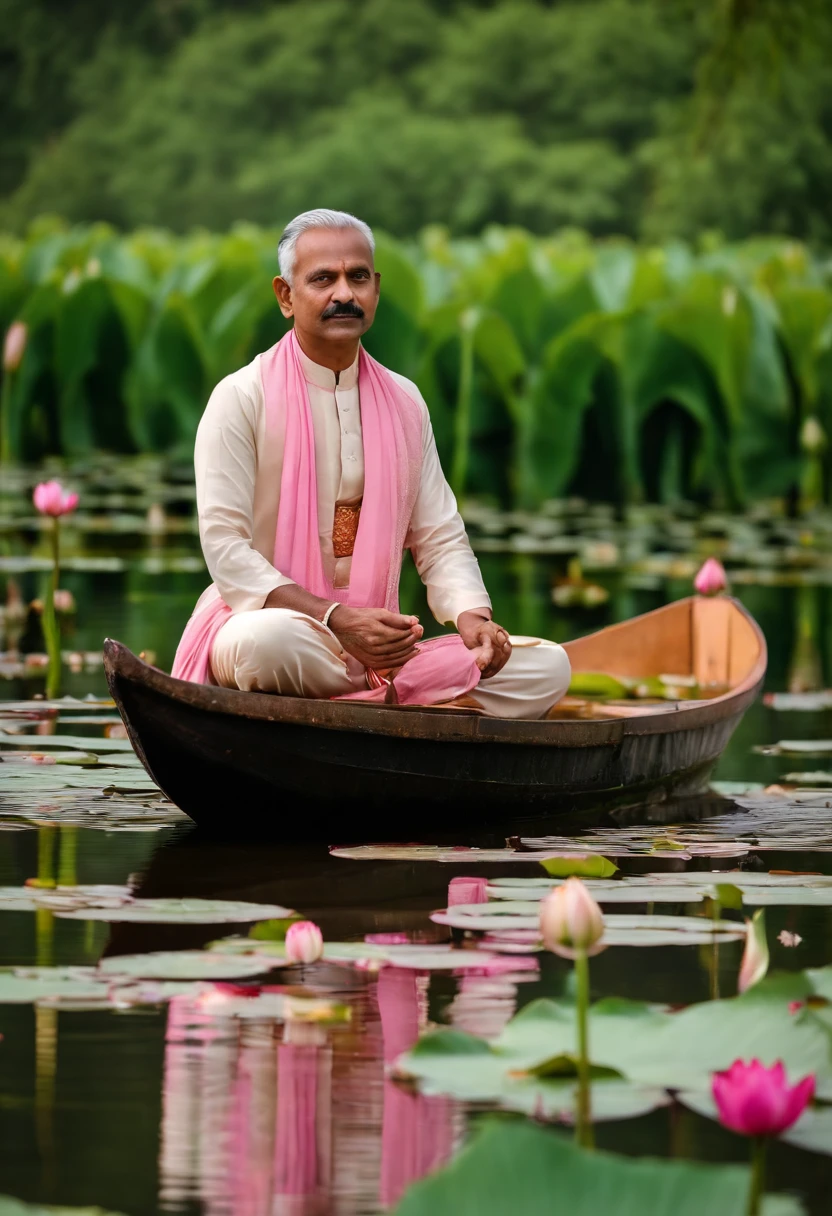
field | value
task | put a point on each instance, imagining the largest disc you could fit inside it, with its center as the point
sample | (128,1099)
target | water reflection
(262,1118)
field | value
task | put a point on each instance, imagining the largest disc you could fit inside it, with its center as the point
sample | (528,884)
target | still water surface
(186,1107)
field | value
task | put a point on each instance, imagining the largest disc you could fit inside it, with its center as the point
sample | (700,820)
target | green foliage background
(551,365)
(650,118)
(588,293)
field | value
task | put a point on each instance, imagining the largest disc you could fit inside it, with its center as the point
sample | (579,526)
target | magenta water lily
(758,1101)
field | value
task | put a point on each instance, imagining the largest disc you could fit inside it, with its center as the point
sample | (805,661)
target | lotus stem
(51,631)
(716,913)
(583,1120)
(67,855)
(5,418)
(758,1175)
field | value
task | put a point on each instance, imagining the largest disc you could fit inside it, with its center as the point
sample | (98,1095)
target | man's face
(334,289)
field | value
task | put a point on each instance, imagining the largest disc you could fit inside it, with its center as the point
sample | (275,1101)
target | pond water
(153,1093)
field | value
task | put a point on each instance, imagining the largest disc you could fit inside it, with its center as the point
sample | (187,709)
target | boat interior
(701,649)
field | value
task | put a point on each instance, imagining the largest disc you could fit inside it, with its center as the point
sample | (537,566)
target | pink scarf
(391,426)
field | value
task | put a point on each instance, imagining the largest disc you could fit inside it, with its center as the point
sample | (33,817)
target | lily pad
(619,930)
(517,1167)
(184,965)
(181,912)
(622,891)
(86,743)
(804,702)
(416,956)
(52,985)
(589,866)
(437,853)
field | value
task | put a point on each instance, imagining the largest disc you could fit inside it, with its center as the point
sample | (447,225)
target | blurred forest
(649,118)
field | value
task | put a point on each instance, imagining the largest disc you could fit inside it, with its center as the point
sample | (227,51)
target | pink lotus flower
(570,921)
(757,1101)
(14,346)
(50,498)
(467,891)
(711,579)
(304,942)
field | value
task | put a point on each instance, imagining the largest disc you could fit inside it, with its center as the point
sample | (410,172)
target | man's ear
(283,293)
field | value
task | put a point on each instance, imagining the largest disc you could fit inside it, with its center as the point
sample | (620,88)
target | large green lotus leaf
(709,1037)
(464,1067)
(516,1167)
(184,965)
(590,866)
(181,912)
(820,981)
(680,1050)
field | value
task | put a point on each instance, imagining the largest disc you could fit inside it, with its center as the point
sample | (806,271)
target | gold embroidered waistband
(344,530)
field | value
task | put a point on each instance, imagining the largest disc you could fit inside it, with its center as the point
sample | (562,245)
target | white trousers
(282,651)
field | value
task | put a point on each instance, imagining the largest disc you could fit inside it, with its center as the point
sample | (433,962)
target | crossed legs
(279,650)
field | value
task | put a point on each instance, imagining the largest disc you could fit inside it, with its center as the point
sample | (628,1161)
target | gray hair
(320,218)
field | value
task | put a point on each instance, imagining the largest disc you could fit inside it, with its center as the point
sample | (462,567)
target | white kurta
(238,495)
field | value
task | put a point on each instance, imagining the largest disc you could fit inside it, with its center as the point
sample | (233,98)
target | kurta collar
(323,377)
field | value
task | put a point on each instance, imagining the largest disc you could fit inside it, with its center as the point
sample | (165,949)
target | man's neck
(337,356)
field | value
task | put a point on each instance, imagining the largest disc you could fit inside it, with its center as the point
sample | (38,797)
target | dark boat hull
(341,772)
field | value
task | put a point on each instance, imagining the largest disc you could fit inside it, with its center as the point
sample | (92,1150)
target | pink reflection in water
(417,1132)
(266,1119)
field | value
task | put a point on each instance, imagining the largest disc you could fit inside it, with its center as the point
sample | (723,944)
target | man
(315,468)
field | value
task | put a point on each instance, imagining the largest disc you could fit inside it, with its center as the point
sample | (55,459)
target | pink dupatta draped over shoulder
(391,425)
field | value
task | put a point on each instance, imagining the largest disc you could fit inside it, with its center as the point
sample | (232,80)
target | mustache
(347,309)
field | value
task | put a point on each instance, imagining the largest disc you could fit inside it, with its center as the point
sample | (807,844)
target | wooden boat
(343,770)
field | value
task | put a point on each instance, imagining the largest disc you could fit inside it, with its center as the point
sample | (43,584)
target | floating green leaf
(184,965)
(516,1167)
(590,866)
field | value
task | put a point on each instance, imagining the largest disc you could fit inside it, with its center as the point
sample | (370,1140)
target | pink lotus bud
(757,1101)
(50,498)
(467,891)
(755,957)
(571,921)
(711,579)
(14,346)
(63,600)
(304,942)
